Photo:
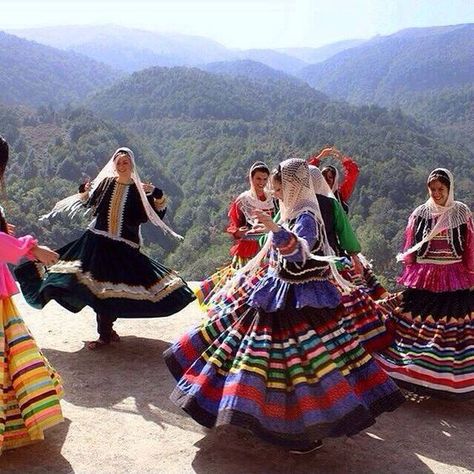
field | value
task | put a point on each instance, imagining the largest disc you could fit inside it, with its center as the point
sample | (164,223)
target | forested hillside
(210,129)
(195,134)
(397,67)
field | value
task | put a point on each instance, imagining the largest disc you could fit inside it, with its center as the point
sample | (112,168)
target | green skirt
(110,276)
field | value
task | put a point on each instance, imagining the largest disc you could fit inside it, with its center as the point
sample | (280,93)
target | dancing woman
(433,352)
(30,388)
(280,363)
(104,268)
(241,222)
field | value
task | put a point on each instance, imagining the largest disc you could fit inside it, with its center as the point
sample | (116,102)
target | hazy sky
(246,23)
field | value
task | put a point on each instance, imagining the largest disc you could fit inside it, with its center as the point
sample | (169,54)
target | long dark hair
(3,158)
(3,165)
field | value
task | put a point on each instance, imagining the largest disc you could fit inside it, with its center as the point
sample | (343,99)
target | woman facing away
(363,316)
(30,388)
(104,268)
(364,275)
(342,189)
(433,352)
(241,222)
(279,362)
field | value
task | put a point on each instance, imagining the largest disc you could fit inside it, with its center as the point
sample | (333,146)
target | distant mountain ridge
(35,74)
(250,69)
(387,69)
(317,55)
(131,49)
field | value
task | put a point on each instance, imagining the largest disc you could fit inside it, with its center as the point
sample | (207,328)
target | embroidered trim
(63,266)
(107,289)
(306,280)
(113,237)
(437,262)
(116,208)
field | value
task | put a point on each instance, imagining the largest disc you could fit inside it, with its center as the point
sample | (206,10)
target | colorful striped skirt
(212,285)
(290,377)
(366,320)
(30,387)
(433,350)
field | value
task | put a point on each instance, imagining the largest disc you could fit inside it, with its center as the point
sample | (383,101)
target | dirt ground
(119,418)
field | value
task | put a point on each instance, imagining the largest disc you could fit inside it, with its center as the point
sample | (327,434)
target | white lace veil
(74,203)
(249,200)
(320,184)
(451,215)
(298,197)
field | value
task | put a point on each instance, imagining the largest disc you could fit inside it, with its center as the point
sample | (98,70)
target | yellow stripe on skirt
(30,388)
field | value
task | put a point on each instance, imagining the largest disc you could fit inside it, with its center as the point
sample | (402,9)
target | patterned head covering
(73,203)
(450,216)
(320,185)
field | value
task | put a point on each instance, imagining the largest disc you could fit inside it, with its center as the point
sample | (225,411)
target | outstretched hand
(11,229)
(357,264)
(45,255)
(330,151)
(264,222)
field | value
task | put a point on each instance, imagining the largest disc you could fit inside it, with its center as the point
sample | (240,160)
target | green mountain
(388,69)
(211,128)
(34,74)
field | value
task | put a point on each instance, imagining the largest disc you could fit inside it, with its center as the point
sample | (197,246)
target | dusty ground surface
(119,418)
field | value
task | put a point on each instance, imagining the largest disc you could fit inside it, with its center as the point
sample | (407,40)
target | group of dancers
(300,341)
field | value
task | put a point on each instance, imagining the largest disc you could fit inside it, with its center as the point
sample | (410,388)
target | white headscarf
(320,185)
(298,197)
(451,215)
(73,203)
(249,200)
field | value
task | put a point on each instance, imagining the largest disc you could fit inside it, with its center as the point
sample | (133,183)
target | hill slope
(211,129)
(34,74)
(387,69)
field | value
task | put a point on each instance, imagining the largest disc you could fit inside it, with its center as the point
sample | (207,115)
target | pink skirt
(437,278)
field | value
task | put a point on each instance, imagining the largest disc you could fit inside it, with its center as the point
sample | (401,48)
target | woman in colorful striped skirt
(433,352)
(363,317)
(331,186)
(279,362)
(30,388)
(241,221)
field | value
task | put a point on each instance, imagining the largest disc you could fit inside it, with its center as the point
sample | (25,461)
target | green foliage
(195,135)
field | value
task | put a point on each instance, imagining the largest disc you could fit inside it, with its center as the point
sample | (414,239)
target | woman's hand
(148,188)
(264,222)
(45,255)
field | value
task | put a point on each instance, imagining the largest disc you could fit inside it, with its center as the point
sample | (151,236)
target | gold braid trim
(160,204)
